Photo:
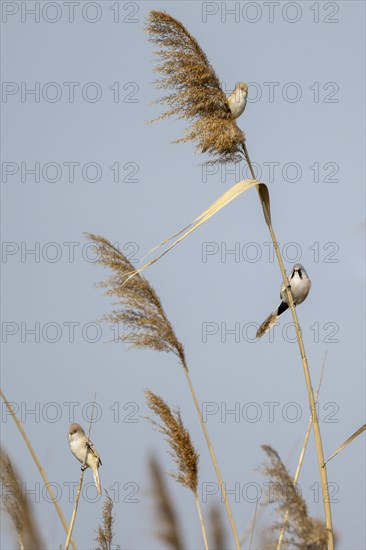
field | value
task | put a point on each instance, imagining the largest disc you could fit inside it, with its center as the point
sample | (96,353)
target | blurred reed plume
(140,308)
(302,531)
(16,506)
(105,532)
(168,530)
(217,529)
(196,95)
(182,449)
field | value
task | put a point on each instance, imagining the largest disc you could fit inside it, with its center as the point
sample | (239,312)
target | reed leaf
(347,442)
(223,200)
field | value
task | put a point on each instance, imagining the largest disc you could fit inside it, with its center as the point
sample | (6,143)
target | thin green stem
(314,416)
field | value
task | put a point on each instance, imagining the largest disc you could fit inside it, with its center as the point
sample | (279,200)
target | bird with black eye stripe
(300,286)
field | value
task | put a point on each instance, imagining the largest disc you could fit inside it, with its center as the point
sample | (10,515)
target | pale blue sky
(310,153)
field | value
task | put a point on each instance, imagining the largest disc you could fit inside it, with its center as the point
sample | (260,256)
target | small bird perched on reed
(83,449)
(300,286)
(195,93)
(237,101)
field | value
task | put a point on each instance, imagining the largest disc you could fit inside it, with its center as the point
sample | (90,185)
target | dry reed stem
(38,464)
(303,450)
(312,402)
(202,523)
(73,516)
(258,511)
(253,525)
(78,493)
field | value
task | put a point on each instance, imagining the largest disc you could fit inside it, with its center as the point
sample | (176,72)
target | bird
(83,449)
(300,286)
(237,101)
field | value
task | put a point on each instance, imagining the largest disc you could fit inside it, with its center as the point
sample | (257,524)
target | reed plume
(182,450)
(196,93)
(140,308)
(105,532)
(16,506)
(217,529)
(302,531)
(169,530)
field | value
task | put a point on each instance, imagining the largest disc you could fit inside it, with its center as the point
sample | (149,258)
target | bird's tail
(97,479)
(271,319)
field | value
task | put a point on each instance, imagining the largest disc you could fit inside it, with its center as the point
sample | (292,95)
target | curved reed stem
(213,458)
(38,464)
(312,404)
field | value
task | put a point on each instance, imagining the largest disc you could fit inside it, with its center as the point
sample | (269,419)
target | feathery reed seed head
(303,531)
(183,451)
(196,93)
(140,308)
(105,532)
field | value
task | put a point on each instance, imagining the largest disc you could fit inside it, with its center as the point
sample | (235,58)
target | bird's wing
(93,450)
